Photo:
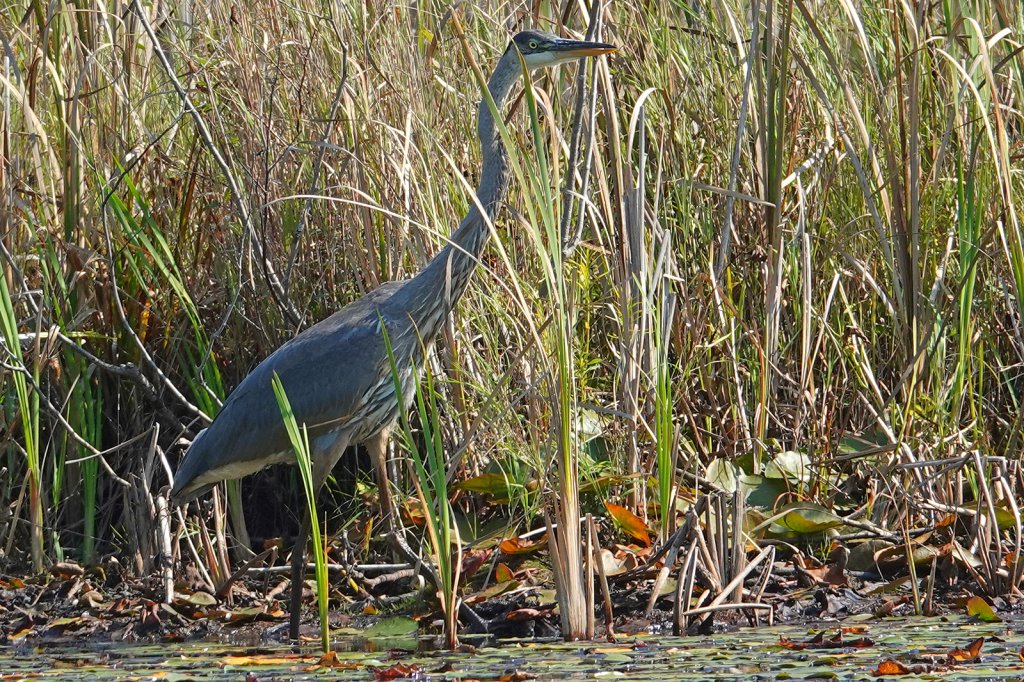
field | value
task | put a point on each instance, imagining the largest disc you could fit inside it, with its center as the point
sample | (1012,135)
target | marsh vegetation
(756,295)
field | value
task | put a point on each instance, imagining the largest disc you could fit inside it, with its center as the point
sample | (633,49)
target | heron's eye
(533,45)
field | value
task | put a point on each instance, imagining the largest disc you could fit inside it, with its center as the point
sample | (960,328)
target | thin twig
(314,185)
(569,243)
(274,284)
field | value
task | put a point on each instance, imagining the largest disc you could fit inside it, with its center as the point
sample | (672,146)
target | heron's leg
(324,458)
(298,568)
(377,446)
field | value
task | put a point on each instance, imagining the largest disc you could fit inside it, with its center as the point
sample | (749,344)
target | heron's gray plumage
(325,387)
(336,373)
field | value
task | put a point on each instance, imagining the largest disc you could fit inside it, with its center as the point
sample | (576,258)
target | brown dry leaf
(970,655)
(527,614)
(473,560)
(248,615)
(787,643)
(149,616)
(1020,654)
(890,667)
(93,598)
(396,672)
(630,523)
(120,607)
(514,546)
(330,660)
(66,569)
(515,676)
(829,574)
(612,564)
(889,605)
(413,514)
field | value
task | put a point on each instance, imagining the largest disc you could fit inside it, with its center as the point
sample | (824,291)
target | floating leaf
(969,655)
(398,671)
(982,610)
(398,626)
(629,523)
(820,641)
(330,660)
(271,659)
(890,667)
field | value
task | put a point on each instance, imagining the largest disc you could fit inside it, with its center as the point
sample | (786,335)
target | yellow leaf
(980,609)
(629,522)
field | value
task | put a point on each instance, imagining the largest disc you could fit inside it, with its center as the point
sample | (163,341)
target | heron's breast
(380,406)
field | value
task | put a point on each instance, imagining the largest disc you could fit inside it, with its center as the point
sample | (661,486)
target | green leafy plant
(430,476)
(299,438)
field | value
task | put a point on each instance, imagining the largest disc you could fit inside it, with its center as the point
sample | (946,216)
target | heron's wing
(325,372)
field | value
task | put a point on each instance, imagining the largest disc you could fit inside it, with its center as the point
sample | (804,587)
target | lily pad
(807,519)
(792,466)
(724,475)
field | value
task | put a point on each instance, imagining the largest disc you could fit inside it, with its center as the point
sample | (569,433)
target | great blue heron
(337,373)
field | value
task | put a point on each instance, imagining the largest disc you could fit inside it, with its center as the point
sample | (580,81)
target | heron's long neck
(447,275)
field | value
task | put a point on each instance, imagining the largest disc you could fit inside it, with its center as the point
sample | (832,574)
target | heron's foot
(474,621)
(396,538)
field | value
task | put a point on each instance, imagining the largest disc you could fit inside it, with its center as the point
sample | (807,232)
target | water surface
(748,654)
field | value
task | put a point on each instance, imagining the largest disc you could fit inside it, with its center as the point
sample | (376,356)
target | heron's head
(541,49)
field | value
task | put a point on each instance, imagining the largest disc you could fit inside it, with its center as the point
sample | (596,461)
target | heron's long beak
(574,49)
